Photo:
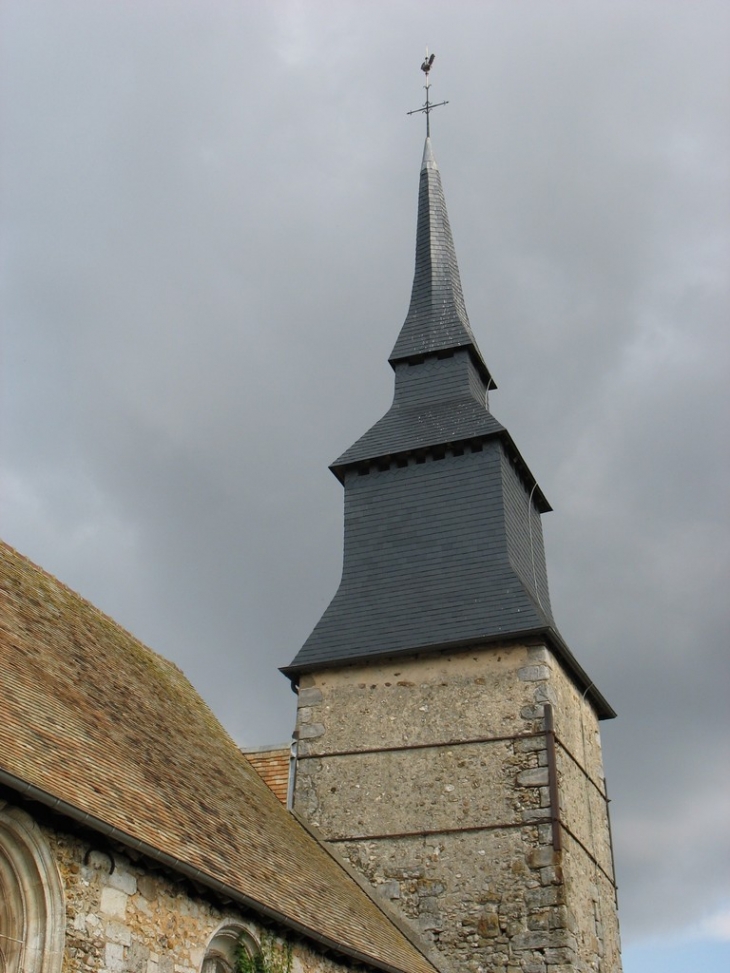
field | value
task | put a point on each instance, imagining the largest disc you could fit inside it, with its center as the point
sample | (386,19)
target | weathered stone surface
(531,940)
(390,890)
(541,857)
(533,778)
(536,814)
(488,925)
(113,901)
(114,957)
(533,964)
(122,879)
(407,802)
(310,731)
(136,921)
(539,898)
(551,875)
(310,696)
(438,784)
(545,693)
(533,673)
(100,860)
(529,744)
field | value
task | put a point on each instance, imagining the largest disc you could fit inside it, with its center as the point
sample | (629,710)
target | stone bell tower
(448,737)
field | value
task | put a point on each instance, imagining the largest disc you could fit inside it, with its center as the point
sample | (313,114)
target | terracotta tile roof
(272,766)
(90,716)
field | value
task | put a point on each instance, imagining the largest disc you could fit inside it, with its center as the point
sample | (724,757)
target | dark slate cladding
(523,528)
(437,317)
(429,560)
(438,401)
(443,538)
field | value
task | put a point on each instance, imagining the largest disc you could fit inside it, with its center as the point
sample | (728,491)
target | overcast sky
(208,234)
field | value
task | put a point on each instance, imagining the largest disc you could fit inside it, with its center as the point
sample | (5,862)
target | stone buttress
(448,738)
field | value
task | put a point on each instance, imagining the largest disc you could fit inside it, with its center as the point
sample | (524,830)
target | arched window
(220,956)
(32,914)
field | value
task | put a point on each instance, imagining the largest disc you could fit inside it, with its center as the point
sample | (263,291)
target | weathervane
(428,107)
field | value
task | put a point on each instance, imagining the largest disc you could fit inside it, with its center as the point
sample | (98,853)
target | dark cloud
(209,217)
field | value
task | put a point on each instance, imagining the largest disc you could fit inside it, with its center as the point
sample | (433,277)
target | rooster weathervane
(428,106)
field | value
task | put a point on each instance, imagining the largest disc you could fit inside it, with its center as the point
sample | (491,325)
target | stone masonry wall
(587,859)
(431,775)
(130,919)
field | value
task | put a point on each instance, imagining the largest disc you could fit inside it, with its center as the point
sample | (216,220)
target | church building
(444,809)
(448,742)
(135,837)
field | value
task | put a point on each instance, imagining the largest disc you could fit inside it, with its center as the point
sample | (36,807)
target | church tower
(448,741)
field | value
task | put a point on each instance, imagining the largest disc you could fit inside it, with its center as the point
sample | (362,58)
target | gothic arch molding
(32,912)
(220,955)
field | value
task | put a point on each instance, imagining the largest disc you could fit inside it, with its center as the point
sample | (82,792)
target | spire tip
(428,162)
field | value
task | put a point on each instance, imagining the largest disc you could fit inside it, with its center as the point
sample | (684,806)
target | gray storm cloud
(209,221)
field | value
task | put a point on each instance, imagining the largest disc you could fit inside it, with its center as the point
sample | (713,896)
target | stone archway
(220,956)
(32,916)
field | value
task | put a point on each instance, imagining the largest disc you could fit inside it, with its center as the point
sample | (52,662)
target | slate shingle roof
(417,422)
(430,561)
(437,317)
(443,539)
(92,718)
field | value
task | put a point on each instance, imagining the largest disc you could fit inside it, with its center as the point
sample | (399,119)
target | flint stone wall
(130,919)
(431,775)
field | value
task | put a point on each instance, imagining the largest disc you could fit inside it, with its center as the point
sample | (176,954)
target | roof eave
(471,347)
(541,501)
(58,805)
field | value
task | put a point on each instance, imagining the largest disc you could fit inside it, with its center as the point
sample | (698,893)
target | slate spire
(443,540)
(441,379)
(437,320)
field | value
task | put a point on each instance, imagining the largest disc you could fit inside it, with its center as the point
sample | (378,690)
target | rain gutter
(189,871)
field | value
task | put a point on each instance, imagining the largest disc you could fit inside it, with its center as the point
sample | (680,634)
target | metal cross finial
(428,106)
